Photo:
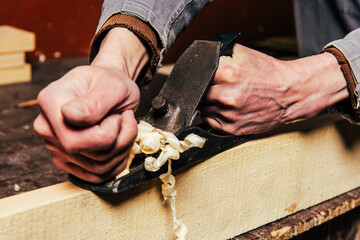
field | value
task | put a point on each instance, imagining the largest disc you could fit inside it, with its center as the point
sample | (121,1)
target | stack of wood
(14,43)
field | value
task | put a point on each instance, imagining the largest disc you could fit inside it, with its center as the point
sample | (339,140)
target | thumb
(92,107)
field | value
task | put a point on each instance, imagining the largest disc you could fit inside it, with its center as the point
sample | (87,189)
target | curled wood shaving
(150,141)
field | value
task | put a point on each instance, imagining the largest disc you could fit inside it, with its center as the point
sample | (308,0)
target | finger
(42,127)
(227,116)
(213,122)
(221,126)
(211,95)
(52,147)
(226,96)
(81,166)
(98,137)
(125,139)
(83,174)
(90,165)
(102,96)
(73,139)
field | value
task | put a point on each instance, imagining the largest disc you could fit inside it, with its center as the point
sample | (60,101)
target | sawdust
(150,141)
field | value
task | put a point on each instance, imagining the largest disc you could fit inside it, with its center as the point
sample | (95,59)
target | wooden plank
(14,39)
(236,191)
(305,220)
(13,59)
(15,74)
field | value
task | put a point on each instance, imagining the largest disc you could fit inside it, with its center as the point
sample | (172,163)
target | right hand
(253,93)
(87,118)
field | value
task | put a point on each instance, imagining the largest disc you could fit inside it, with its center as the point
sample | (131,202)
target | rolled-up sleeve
(167,17)
(350,49)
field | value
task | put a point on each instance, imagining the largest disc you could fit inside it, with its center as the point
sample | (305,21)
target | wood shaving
(151,140)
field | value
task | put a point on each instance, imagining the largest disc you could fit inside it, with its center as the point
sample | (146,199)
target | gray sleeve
(168,17)
(350,47)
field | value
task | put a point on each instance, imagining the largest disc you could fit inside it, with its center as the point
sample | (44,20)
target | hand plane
(174,109)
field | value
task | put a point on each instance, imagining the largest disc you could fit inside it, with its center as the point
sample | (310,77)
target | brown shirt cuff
(349,108)
(143,31)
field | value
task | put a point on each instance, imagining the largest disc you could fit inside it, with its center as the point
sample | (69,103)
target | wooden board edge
(192,187)
(303,221)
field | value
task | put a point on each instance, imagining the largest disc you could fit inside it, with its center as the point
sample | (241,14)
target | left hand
(87,118)
(253,92)
(87,121)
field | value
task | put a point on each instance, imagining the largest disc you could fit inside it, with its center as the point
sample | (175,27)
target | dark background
(64,28)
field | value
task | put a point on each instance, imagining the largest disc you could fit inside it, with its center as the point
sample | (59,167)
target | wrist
(316,83)
(121,50)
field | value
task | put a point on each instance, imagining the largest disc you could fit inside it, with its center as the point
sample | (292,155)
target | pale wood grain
(14,39)
(15,74)
(13,59)
(231,193)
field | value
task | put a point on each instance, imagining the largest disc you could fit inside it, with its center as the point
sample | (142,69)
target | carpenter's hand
(87,121)
(253,92)
(87,117)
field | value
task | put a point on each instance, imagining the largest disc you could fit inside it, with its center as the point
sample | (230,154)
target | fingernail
(78,108)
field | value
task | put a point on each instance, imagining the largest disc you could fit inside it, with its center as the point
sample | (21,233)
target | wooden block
(15,74)
(231,193)
(14,39)
(12,59)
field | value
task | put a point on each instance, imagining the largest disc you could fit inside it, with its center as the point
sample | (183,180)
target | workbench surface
(25,164)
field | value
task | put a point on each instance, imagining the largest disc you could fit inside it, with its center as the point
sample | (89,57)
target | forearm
(122,50)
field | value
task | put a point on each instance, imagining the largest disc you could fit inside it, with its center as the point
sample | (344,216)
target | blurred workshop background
(64,29)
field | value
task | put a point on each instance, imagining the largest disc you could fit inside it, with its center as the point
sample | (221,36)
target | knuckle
(231,129)
(78,69)
(214,122)
(58,162)
(239,132)
(93,105)
(132,135)
(50,148)
(228,100)
(89,177)
(227,71)
(42,96)
(94,178)
(69,145)
(37,128)
(97,156)
(101,169)
(228,116)
(105,138)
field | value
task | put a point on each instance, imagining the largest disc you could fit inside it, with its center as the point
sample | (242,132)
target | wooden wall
(64,28)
